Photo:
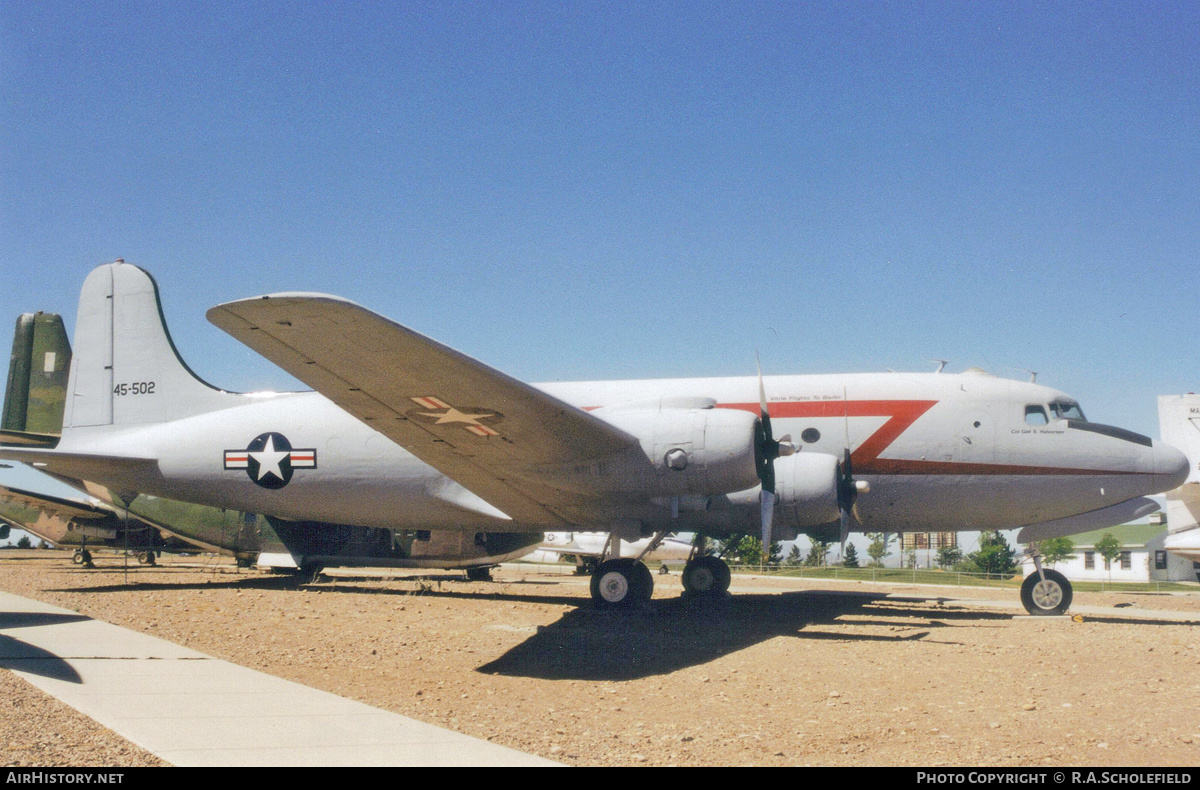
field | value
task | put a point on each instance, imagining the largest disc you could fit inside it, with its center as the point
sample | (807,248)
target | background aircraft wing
(85,514)
(58,506)
(483,428)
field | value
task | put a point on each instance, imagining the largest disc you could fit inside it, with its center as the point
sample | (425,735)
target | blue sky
(605,190)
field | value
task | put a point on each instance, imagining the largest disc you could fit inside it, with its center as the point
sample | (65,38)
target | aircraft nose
(1171,466)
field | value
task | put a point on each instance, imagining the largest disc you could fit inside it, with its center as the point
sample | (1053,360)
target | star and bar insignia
(270,459)
(441,413)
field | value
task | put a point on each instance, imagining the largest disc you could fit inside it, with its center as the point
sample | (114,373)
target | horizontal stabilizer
(78,466)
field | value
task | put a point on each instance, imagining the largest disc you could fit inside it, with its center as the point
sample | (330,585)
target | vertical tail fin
(125,369)
(37,380)
(1179,421)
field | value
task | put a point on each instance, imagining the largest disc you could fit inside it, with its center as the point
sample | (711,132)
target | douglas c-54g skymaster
(404,433)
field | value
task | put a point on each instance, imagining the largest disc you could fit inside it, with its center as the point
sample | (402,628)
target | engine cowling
(806,488)
(704,451)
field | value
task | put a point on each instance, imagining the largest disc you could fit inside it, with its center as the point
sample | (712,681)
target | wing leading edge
(488,431)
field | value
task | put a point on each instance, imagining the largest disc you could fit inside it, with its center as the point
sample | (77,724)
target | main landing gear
(706,577)
(622,582)
(1045,592)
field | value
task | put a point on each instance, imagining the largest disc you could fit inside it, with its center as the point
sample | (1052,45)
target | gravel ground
(38,730)
(782,673)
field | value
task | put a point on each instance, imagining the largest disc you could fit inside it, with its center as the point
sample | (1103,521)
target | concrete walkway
(191,709)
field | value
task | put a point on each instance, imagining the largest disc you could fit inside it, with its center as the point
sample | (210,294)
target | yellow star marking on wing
(453,415)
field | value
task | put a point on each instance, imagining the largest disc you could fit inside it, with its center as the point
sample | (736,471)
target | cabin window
(1036,415)
(1065,410)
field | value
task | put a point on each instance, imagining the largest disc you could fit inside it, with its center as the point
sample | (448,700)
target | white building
(1142,557)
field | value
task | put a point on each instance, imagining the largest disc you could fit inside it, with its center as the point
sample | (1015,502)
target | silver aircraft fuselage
(940,452)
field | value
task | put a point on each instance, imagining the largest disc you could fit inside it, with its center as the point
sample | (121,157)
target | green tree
(850,558)
(879,548)
(743,549)
(793,557)
(817,553)
(1057,550)
(1109,548)
(24,542)
(949,556)
(994,555)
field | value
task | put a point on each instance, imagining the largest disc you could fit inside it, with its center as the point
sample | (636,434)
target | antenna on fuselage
(942,363)
(1032,374)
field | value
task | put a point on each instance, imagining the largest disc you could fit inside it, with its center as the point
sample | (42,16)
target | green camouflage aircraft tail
(37,381)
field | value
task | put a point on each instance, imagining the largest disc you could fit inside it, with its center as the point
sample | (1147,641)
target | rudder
(37,380)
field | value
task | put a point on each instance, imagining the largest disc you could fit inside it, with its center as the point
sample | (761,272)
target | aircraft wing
(483,428)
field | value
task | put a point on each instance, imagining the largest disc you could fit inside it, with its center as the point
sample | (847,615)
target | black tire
(1052,597)
(706,576)
(77,558)
(145,558)
(483,574)
(620,584)
(644,579)
(726,576)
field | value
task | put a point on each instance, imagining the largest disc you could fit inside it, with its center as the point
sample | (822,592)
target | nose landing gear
(1045,592)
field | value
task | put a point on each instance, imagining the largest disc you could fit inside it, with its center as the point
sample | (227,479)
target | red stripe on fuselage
(900,413)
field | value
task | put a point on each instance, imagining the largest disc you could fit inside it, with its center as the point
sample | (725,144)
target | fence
(951,578)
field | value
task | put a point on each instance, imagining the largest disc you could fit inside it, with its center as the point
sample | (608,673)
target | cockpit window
(1066,410)
(1035,415)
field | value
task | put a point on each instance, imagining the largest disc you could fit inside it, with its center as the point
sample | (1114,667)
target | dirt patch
(786,673)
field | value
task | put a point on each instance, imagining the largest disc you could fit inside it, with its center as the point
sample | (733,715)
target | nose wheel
(1050,595)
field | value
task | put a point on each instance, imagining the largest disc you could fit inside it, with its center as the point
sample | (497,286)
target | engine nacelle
(704,451)
(806,485)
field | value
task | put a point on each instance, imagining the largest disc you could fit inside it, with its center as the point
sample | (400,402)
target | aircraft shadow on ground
(672,634)
(242,583)
(24,657)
